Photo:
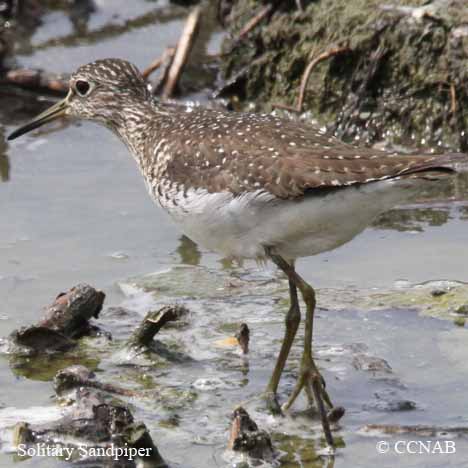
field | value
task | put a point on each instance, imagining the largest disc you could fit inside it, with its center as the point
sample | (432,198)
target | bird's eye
(82,87)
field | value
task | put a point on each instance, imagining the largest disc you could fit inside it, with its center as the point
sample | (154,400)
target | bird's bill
(52,113)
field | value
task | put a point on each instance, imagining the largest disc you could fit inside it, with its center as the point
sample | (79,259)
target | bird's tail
(439,166)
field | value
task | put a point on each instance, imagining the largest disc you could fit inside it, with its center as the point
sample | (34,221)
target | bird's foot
(311,381)
(271,401)
(308,375)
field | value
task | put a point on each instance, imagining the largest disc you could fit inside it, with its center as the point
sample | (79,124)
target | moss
(404,78)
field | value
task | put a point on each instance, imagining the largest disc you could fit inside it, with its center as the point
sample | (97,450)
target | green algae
(419,297)
(204,283)
(197,282)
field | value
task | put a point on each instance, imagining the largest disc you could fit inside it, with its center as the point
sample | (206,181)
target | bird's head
(105,91)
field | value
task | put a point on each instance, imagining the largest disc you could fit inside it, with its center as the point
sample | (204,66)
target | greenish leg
(292,321)
(309,378)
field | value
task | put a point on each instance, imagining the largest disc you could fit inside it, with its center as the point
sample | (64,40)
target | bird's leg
(292,321)
(309,378)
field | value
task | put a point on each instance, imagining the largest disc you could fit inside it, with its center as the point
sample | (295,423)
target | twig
(36,80)
(285,107)
(241,74)
(78,376)
(167,54)
(153,322)
(253,22)
(182,52)
(163,74)
(305,77)
(243,337)
(453,99)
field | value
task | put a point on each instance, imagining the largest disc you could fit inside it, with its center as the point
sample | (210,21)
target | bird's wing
(284,158)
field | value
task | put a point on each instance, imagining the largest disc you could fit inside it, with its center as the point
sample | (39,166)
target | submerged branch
(153,322)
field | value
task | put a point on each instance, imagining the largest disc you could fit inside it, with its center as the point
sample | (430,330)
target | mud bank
(399,75)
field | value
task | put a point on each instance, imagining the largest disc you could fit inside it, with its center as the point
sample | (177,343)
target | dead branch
(453,99)
(305,77)
(153,322)
(64,321)
(182,52)
(243,337)
(230,85)
(253,22)
(71,311)
(78,376)
(37,80)
(168,54)
(162,79)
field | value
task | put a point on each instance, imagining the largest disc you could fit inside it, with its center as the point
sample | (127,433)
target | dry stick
(153,322)
(243,337)
(163,74)
(37,80)
(306,76)
(167,54)
(253,22)
(453,99)
(182,52)
(74,377)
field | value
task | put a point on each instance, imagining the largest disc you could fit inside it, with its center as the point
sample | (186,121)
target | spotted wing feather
(236,152)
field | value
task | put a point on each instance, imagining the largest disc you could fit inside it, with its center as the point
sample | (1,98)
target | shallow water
(74,208)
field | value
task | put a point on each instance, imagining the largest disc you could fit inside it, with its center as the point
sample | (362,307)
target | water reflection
(418,217)
(412,219)
(188,251)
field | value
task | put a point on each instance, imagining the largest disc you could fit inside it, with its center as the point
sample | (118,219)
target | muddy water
(74,208)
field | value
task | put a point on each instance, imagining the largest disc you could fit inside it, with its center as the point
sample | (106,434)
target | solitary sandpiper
(250,186)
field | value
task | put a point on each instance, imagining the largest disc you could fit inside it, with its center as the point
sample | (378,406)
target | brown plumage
(234,152)
(183,148)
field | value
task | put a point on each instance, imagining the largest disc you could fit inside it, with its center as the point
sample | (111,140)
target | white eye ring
(82,87)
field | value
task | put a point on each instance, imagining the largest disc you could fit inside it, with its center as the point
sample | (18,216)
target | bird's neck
(137,128)
(131,125)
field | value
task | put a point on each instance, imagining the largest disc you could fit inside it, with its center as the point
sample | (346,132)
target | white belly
(241,227)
